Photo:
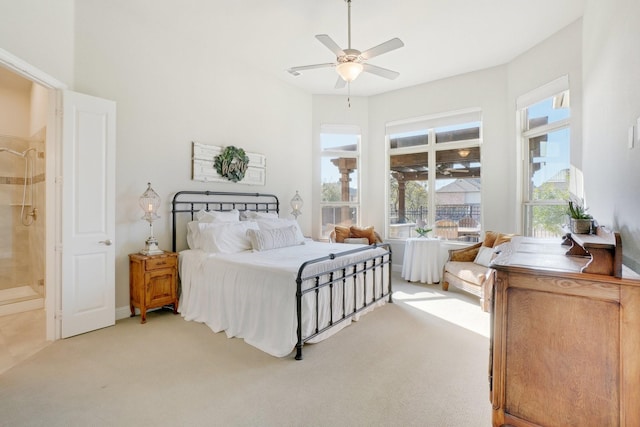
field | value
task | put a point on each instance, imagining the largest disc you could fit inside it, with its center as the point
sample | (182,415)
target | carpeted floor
(421,361)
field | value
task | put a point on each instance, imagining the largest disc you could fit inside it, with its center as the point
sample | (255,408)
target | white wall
(611,88)
(175,80)
(40,32)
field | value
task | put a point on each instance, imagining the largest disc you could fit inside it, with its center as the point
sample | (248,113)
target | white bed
(252,295)
(262,295)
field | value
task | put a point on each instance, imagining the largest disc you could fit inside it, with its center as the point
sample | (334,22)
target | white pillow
(217,216)
(485,254)
(262,240)
(271,223)
(192,234)
(225,237)
(255,215)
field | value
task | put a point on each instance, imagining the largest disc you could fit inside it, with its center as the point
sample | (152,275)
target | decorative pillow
(225,237)
(263,240)
(489,238)
(272,223)
(249,215)
(218,216)
(484,256)
(192,234)
(465,254)
(502,238)
(342,233)
(367,232)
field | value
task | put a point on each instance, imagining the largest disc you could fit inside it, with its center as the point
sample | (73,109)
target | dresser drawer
(160,262)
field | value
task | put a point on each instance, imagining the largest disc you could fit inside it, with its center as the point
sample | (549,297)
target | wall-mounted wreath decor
(232,163)
(204,166)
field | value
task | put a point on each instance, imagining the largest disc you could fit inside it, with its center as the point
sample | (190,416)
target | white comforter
(251,295)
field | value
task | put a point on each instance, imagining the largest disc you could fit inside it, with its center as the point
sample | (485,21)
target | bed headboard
(185,204)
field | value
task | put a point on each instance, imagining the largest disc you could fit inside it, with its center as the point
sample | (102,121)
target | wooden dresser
(153,282)
(565,345)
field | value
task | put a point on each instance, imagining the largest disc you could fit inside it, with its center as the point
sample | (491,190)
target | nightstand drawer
(161,262)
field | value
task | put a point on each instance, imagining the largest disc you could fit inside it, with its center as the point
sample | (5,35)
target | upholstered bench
(468,268)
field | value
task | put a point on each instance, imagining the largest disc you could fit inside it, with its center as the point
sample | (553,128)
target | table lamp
(150,202)
(296,205)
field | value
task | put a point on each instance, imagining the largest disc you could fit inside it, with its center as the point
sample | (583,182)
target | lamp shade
(349,70)
(296,205)
(150,203)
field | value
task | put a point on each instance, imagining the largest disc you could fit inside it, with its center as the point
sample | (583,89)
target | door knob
(106,242)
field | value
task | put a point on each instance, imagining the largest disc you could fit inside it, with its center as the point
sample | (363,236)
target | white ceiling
(442,37)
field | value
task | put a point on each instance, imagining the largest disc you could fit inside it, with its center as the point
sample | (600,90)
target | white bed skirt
(252,295)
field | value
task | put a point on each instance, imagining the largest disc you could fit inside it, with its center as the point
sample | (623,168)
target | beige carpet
(399,366)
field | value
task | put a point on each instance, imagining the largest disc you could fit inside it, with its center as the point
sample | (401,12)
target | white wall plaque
(203,156)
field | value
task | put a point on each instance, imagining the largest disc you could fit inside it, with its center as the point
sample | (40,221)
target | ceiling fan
(450,170)
(351,62)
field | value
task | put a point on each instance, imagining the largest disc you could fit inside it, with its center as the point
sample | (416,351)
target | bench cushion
(467,271)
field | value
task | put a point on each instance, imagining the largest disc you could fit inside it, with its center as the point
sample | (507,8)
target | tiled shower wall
(22,256)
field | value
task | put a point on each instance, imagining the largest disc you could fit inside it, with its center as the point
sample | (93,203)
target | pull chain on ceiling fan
(350,63)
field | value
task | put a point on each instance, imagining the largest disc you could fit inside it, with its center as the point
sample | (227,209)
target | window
(434,176)
(340,179)
(546,145)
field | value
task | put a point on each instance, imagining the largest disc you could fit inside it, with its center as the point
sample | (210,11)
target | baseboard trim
(123,312)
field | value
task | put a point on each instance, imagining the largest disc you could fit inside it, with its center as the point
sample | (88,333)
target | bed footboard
(340,281)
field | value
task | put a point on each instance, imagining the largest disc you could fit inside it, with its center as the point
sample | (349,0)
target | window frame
(432,147)
(332,153)
(525,135)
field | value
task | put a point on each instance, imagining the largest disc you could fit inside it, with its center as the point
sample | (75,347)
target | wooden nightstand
(153,282)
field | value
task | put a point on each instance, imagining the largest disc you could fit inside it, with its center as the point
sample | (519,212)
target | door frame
(53,188)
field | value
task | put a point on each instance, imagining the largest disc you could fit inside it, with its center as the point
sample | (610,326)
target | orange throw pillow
(490,238)
(367,232)
(341,233)
(502,238)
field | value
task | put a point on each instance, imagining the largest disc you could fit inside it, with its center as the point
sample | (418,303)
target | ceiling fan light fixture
(349,70)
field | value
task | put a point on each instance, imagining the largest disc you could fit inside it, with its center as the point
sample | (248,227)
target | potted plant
(580,220)
(422,231)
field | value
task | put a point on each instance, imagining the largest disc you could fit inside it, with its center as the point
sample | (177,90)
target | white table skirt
(421,257)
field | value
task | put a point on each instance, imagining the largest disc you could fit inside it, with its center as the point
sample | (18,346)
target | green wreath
(232,163)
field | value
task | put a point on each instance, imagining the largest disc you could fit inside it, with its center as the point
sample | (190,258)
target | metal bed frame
(190,202)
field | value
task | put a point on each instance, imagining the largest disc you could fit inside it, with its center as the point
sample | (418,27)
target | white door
(88,213)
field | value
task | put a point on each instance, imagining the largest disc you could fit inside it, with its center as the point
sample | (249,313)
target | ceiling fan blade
(340,83)
(295,70)
(385,47)
(382,72)
(328,42)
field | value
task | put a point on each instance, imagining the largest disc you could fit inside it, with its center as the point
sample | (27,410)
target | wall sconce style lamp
(296,205)
(150,203)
